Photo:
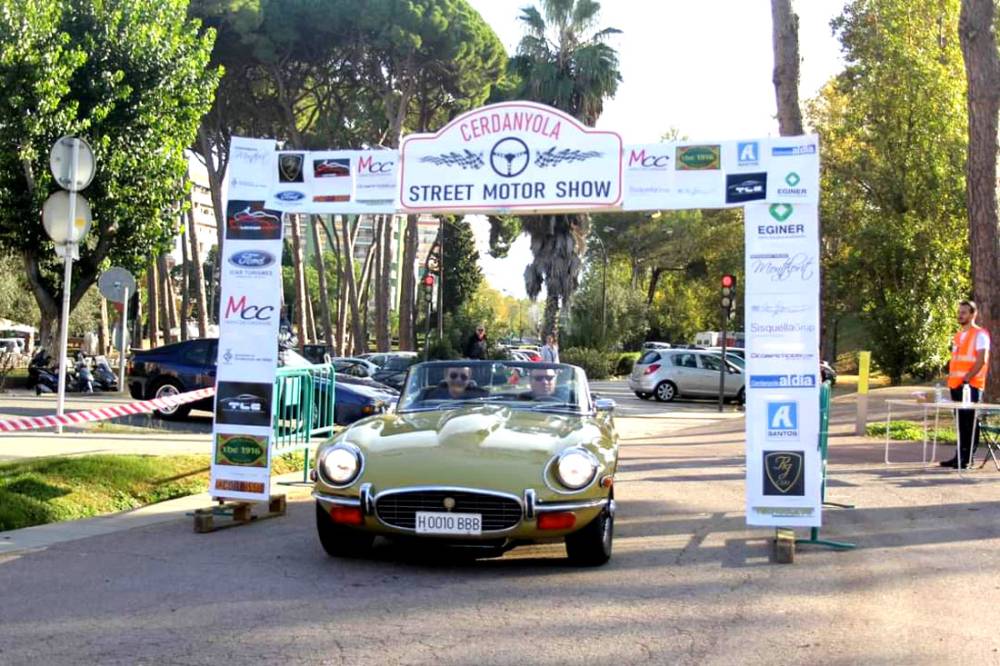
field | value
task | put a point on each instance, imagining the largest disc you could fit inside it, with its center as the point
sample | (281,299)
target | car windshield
(399,362)
(515,384)
(289,358)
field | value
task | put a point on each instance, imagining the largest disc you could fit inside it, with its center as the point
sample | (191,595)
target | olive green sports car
(484,455)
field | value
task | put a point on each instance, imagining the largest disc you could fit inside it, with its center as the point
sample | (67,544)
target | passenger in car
(543,383)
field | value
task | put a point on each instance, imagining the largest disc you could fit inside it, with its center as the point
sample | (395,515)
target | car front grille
(399,509)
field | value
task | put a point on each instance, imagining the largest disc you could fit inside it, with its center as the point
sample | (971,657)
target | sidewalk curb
(39,537)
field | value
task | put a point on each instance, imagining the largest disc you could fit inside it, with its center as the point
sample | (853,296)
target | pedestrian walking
(970,352)
(477,344)
(550,350)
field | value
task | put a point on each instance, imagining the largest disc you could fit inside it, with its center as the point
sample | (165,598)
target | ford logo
(290,195)
(251,259)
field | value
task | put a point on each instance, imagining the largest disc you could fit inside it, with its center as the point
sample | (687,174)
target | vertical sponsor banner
(784,469)
(249,317)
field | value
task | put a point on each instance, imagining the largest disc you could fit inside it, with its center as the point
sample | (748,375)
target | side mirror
(604,405)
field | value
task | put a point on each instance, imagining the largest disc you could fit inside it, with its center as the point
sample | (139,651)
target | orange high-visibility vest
(963,357)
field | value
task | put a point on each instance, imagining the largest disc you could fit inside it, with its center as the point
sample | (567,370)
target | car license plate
(433,522)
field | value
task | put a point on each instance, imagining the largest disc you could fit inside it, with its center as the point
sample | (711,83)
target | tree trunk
(785,39)
(153,289)
(324,293)
(198,274)
(550,325)
(982,69)
(216,172)
(382,326)
(407,284)
(654,280)
(341,290)
(102,332)
(300,280)
(380,222)
(185,287)
(168,306)
(352,287)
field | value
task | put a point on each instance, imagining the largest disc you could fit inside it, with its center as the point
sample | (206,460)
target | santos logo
(783,420)
(249,313)
(638,159)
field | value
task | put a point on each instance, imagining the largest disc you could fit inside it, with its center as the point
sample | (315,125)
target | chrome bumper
(532,506)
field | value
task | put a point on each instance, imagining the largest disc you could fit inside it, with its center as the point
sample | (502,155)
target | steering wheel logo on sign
(509,157)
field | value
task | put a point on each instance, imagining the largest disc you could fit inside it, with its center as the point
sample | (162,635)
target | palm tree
(563,61)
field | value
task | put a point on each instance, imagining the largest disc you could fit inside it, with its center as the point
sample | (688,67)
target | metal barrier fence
(303,407)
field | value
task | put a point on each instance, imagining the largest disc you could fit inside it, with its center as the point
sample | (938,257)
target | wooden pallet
(233,514)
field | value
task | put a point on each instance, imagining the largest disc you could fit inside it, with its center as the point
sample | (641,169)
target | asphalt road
(688,583)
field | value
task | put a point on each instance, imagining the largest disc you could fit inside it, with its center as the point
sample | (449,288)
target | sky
(701,66)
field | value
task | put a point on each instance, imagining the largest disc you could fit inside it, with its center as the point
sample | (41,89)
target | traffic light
(728,292)
(429,280)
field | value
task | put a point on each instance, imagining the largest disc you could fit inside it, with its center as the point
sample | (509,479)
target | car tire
(339,541)
(643,395)
(665,391)
(741,396)
(591,546)
(164,389)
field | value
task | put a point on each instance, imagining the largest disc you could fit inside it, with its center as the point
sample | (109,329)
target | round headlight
(341,464)
(576,469)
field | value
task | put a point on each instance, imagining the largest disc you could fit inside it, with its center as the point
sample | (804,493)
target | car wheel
(665,391)
(741,397)
(168,389)
(591,546)
(339,541)
(643,396)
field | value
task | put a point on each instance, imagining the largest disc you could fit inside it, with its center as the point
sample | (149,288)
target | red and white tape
(103,413)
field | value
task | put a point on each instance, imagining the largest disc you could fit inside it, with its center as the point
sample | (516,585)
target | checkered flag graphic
(468,160)
(550,157)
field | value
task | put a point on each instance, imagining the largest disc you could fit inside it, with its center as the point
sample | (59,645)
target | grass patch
(48,490)
(911,431)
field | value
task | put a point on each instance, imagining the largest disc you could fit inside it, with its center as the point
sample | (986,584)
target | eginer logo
(248,312)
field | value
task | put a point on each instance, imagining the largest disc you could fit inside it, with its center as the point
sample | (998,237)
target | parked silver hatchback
(669,373)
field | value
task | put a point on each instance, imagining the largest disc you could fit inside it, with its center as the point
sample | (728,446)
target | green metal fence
(302,407)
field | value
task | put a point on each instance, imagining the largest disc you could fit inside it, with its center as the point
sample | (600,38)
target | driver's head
(543,381)
(457,379)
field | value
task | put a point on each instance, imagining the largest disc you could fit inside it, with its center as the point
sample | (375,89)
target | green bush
(441,349)
(596,363)
(625,362)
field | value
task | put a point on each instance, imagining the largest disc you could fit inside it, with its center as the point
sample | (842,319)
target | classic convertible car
(484,455)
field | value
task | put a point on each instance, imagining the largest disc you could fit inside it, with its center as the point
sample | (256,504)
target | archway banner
(522,157)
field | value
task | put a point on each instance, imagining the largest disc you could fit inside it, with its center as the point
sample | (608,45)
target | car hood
(483,446)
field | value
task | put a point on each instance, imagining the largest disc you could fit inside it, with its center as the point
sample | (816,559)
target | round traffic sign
(61,163)
(55,218)
(113,283)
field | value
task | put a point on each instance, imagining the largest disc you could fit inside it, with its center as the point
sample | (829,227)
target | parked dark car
(187,366)
(393,373)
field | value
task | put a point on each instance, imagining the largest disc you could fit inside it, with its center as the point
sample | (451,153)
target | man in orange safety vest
(970,351)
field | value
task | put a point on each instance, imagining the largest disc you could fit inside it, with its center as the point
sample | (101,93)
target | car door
(685,373)
(708,374)
(196,365)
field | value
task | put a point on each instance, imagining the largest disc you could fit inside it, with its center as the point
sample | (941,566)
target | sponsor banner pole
(784,468)
(249,321)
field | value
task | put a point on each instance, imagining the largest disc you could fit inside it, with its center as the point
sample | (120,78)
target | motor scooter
(105,378)
(83,379)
